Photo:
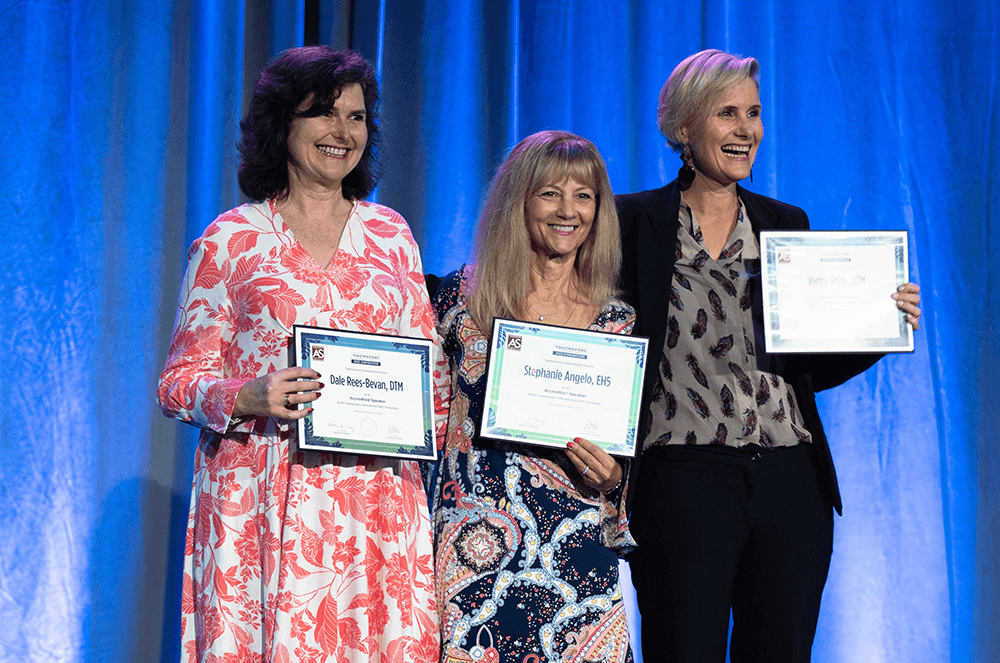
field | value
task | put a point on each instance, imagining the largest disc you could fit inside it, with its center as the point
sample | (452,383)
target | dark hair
(297,74)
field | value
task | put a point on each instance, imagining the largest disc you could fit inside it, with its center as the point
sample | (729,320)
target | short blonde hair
(503,248)
(693,88)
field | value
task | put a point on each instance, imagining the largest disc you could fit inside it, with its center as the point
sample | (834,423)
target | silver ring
(287,403)
(585,470)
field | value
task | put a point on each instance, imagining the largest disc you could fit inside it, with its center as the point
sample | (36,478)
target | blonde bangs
(500,280)
(577,165)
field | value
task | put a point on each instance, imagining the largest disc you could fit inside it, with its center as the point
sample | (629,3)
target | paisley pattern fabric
(525,552)
(297,556)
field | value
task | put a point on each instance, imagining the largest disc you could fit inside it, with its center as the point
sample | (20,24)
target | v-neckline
(693,221)
(340,241)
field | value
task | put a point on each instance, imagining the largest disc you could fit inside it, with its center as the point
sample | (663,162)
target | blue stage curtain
(120,120)
(876,116)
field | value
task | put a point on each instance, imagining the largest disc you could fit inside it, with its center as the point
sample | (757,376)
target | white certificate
(830,291)
(378,394)
(546,385)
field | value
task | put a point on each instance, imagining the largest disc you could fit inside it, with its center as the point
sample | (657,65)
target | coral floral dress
(297,555)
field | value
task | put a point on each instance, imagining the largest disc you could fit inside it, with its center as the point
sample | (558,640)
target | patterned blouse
(525,552)
(717,383)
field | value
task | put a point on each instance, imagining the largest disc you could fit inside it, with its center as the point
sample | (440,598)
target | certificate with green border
(831,291)
(378,393)
(546,385)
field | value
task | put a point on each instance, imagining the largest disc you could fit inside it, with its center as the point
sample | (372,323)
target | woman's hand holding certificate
(545,379)
(829,291)
(377,395)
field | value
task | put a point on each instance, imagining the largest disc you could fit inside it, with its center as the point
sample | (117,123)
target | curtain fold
(120,122)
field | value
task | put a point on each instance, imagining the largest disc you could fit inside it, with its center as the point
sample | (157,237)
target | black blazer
(649,241)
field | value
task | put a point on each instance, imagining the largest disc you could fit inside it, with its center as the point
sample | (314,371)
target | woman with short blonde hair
(734,480)
(694,85)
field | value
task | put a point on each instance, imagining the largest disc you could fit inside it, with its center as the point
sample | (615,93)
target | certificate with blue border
(378,393)
(546,385)
(830,291)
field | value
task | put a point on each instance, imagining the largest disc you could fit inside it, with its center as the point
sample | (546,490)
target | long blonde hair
(503,248)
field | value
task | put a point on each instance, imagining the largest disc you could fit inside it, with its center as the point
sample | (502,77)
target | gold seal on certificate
(546,385)
(378,394)
(830,291)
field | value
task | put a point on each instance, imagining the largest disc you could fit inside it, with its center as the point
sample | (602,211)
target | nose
(749,127)
(337,126)
(567,208)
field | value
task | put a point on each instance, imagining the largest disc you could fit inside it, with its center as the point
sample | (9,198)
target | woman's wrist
(617,484)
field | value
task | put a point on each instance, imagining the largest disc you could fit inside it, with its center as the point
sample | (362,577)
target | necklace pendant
(541,317)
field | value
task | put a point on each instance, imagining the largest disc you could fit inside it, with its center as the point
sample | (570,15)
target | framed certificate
(830,291)
(546,385)
(378,394)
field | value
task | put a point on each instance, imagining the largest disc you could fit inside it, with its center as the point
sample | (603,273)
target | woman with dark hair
(733,505)
(298,555)
(527,538)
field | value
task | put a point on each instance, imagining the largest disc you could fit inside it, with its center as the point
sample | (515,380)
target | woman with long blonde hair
(526,538)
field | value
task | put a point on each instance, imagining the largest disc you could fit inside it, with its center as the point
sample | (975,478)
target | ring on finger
(288,404)
(585,470)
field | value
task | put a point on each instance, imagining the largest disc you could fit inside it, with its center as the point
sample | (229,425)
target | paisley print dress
(297,556)
(525,552)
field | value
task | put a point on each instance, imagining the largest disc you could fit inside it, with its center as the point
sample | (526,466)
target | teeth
(332,151)
(737,149)
(564,229)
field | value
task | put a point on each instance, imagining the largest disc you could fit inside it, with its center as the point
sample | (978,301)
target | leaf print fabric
(292,556)
(712,304)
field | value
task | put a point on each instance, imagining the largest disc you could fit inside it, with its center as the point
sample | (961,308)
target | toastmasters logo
(318,352)
(513,342)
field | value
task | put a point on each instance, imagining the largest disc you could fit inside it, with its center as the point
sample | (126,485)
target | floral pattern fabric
(525,552)
(291,555)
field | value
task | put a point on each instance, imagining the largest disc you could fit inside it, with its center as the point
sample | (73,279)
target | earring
(686,174)
(751,176)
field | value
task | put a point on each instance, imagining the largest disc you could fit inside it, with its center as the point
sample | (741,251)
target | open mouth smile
(563,229)
(335,152)
(737,151)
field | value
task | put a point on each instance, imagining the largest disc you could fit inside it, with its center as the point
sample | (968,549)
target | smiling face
(724,144)
(322,150)
(559,216)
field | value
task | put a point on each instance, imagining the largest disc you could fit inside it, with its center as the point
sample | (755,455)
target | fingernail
(894,296)
(899,288)
(571,444)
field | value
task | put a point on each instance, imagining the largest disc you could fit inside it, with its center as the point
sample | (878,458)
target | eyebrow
(543,187)
(363,110)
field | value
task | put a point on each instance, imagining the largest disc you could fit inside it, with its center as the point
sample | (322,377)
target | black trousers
(721,528)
